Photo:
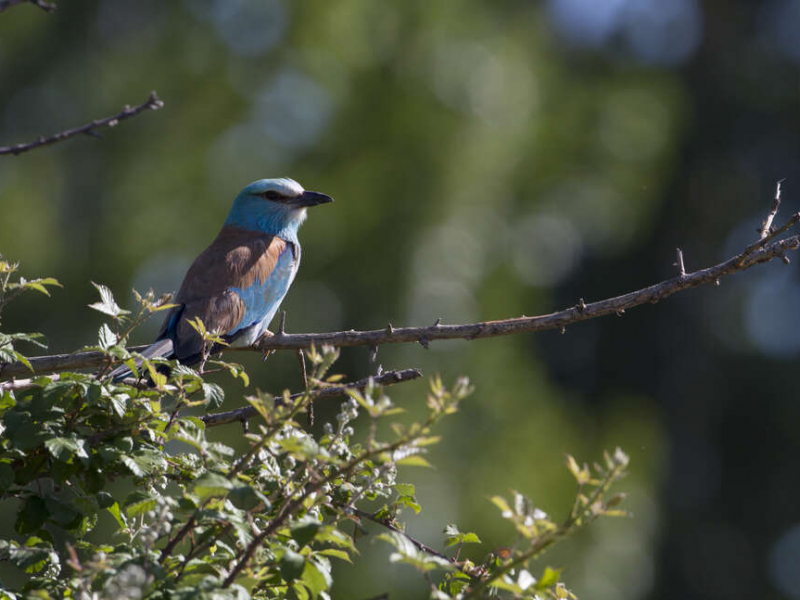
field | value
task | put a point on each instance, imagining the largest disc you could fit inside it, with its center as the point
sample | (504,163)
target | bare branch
(45,6)
(152,103)
(761,252)
(558,320)
(388,378)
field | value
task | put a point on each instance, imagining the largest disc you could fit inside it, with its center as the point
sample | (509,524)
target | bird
(237,283)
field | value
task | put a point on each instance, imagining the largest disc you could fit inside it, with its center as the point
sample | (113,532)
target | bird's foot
(265,334)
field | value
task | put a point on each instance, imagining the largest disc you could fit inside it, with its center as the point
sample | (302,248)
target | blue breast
(263,298)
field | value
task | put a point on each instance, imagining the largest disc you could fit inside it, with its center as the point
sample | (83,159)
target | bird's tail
(159,349)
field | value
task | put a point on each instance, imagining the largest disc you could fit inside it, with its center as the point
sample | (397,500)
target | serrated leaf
(63,448)
(210,485)
(107,304)
(213,394)
(405,489)
(138,503)
(106,337)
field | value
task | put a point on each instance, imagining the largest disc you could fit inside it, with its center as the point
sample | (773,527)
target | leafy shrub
(191,519)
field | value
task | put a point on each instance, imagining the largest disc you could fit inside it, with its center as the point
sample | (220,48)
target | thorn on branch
(301,357)
(766,225)
(373,353)
(563,330)
(581,305)
(438,322)
(767,233)
(786,260)
(423,341)
(390,329)
(282,325)
(679,264)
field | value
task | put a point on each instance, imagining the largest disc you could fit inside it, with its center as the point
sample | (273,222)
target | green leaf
(6,476)
(415,460)
(335,553)
(62,513)
(248,498)
(213,394)
(64,448)
(501,503)
(549,578)
(118,515)
(209,485)
(291,565)
(31,515)
(304,530)
(454,536)
(405,489)
(316,577)
(138,503)
(106,338)
(144,462)
(410,502)
(107,304)
(32,559)
(24,360)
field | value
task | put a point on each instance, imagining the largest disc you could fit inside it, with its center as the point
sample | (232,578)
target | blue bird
(236,285)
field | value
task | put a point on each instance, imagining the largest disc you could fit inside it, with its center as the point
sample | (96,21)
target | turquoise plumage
(236,285)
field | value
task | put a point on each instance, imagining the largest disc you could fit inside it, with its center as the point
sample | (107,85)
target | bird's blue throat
(254,213)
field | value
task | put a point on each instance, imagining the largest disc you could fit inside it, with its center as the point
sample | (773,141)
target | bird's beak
(312,199)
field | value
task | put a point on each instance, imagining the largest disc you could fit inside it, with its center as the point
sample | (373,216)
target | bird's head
(276,206)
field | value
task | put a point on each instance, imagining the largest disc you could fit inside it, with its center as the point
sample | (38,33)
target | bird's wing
(222,287)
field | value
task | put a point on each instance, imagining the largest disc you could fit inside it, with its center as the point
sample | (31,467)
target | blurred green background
(488,159)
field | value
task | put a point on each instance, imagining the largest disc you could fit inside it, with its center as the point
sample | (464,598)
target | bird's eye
(272,195)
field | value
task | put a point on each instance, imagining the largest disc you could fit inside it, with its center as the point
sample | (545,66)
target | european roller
(236,285)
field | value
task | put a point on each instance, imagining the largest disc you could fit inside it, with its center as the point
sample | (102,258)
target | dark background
(489,159)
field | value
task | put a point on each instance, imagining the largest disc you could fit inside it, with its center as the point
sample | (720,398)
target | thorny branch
(46,6)
(152,103)
(761,251)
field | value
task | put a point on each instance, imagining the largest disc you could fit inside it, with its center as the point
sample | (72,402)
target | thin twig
(152,103)
(388,378)
(386,523)
(45,6)
(776,204)
(761,252)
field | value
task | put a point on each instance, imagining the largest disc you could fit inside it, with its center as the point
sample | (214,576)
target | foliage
(185,517)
